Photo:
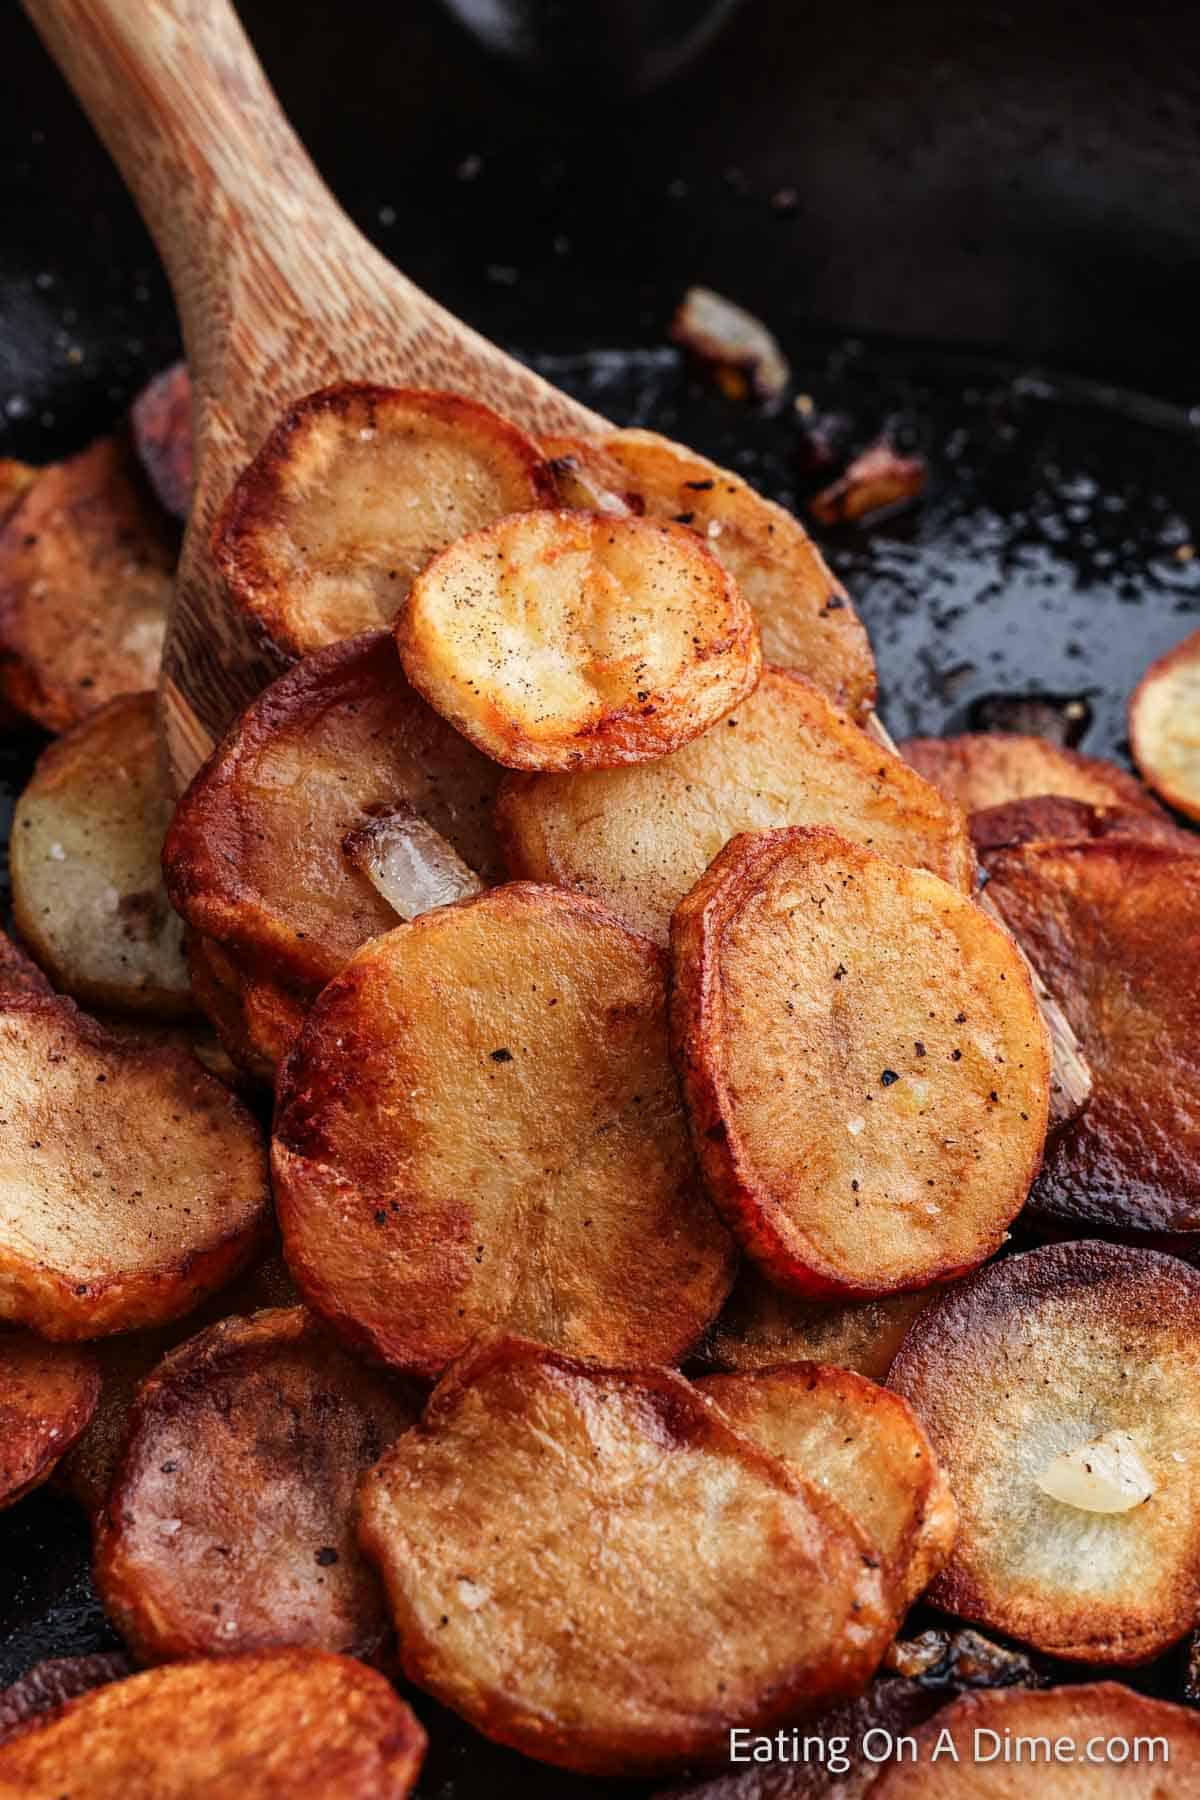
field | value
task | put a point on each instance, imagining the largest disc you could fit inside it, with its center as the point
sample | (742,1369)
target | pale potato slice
(590,1565)
(761,1326)
(570,640)
(85,861)
(588,479)
(48,1393)
(255,857)
(479,1126)
(355,490)
(987,768)
(133,1183)
(1164,726)
(86,566)
(229,1524)
(1036,1356)
(863,1446)
(50,1684)
(865,1065)
(263,1727)
(638,839)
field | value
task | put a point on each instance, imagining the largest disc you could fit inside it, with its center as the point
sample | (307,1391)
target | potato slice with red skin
(355,490)
(863,1446)
(135,1183)
(1052,817)
(590,1565)
(1113,928)
(48,1393)
(50,1684)
(638,839)
(1164,735)
(864,1062)
(569,640)
(1033,1358)
(479,1126)
(988,768)
(229,1524)
(261,1727)
(762,1326)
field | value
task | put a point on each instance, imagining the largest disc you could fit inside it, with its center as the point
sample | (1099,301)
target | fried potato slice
(1164,726)
(638,839)
(48,1393)
(1052,816)
(1113,928)
(859,1443)
(987,768)
(133,1182)
(50,1684)
(864,1062)
(254,857)
(355,490)
(15,477)
(239,1728)
(229,1525)
(480,1126)
(86,567)
(591,1566)
(85,860)
(1087,1742)
(762,1326)
(569,640)
(1029,1360)
(20,977)
(161,421)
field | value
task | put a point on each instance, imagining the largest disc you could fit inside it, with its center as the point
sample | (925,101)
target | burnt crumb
(887,1078)
(717,1133)
(381,1217)
(327,1556)
(501,1056)
(919,1047)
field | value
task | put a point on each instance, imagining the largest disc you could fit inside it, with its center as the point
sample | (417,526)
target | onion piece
(409,863)
(1106,1475)
(718,332)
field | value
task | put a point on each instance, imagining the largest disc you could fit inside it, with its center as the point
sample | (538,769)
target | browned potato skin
(256,1020)
(601,1685)
(254,1434)
(48,1393)
(264,1727)
(1052,817)
(50,1684)
(774,1225)
(86,567)
(161,420)
(762,1326)
(988,768)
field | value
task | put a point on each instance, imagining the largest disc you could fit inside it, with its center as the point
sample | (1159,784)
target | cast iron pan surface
(1050,556)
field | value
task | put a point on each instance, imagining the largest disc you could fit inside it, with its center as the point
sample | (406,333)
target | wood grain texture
(278,293)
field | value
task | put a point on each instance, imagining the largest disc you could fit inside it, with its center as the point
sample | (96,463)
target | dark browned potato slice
(263,1727)
(1164,726)
(638,839)
(987,768)
(355,490)
(86,564)
(1052,816)
(1038,1358)
(254,859)
(479,1126)
(85,852)
(590,1565)
(862,1446)
(133,1184)
(1076,1743)
(229,1524)
(1113,928)
(161,419)
(47,1395)
(864,1062)
(20,977)
(761,1326)
(50,1684)
(569,640)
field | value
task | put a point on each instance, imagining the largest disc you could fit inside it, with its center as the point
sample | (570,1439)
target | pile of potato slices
(534,1180)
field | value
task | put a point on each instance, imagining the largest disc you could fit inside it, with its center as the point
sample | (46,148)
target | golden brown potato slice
(161,421)
(1164,726)
(987,768)
(761,1326)
(132,1184)
(590,1565)
(806,618)
(1021,1377)
(1053,817)
(864,1062)
(862,1446)
(638,839)
(479,1126)
(569,640)
(85,860)
(1089,1742)
(263,1727)
(254,858)
(86,565)
(50,1684)
(48,1393)
(1113,928)
(229,1524)
(355,490)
